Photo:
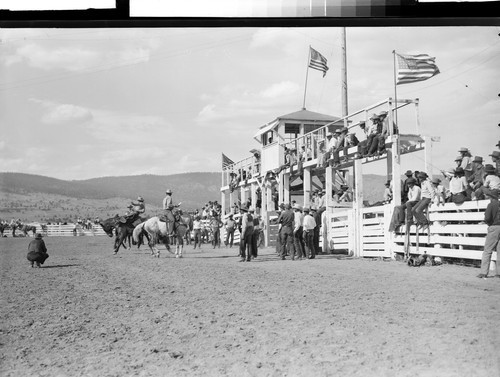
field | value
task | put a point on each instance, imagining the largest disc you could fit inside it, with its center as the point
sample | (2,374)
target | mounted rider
(168,207)
(134,209)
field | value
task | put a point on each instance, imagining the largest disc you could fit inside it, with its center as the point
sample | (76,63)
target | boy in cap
(37,251)
(492,241)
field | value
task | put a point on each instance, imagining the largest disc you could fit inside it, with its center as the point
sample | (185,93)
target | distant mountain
(192,189)
(34,197)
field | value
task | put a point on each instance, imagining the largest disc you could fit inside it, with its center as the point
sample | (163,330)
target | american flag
(318,61)
(226,162)
(412,68)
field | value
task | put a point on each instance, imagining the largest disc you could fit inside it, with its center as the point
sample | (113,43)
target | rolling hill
(39,198)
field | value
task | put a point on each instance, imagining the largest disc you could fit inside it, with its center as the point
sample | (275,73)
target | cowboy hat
(338,131)
(305,209)
(374,116)
(168,191)
(296,206)
(251,209)
(244,208)
(459,170)
(422,174)
(477,159)
(329,134)
(382,114)
(313,208)
(459,158)
(411,181)
(495,154)
(344,129)
(362,123)
(463,150)
(409,173)
(140,199)
(489,169)
(38,236)
(436,181)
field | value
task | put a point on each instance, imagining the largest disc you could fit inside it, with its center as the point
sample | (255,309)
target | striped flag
(412,68)
(318,61)
(226,161)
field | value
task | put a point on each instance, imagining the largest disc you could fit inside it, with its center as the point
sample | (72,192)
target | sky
(85,103)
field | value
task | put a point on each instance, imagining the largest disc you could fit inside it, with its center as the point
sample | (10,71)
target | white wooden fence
(59,230)
(456,231)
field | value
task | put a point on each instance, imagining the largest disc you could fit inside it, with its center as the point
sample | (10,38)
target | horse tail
(136,234)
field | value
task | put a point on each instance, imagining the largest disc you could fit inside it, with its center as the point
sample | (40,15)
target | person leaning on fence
(286,219)
(440,197)
(427,194)
(308,225)
(492,241)
(37,251)
(491,182)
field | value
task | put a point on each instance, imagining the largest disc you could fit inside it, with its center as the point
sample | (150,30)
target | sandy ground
(88,312)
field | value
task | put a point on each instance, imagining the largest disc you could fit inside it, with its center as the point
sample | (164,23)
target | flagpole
(307,73)
(395,90)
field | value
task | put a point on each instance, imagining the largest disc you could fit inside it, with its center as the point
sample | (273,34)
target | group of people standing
(298,232)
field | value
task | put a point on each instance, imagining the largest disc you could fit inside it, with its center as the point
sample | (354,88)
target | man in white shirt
(427,194)
(308,235)
(298,242)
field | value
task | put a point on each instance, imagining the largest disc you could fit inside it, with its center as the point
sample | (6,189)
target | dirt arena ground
(87,312)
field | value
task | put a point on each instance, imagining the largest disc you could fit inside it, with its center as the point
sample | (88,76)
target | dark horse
(113,227)
(125,229)
(3,227)
(27,228)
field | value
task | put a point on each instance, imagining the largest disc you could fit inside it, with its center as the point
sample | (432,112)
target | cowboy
(440,197)
(466,161)
(477,178)
(492,218)
(308,225)
(298,242)
(37,251)
(350,141)
(317,219)
(413,199)
(495,157)
(427,194)
(405,188)
(345,195)
(339,144)
(168,207)
(246,234)
(373,135)
(491,182)
(230,226)
(286,221)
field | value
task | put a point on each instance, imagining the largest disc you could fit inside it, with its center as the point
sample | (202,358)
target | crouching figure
(37,251)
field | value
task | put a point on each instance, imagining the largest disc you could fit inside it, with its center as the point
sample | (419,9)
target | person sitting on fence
(387,192)
(405,188)
(440,197)
(476,180)
(339,137)
(287,163)
(414,193)
(491,182)
(495,157)
(458,187)
(374,132)
(492,241)
(350,141)
(466,163)
(427,194)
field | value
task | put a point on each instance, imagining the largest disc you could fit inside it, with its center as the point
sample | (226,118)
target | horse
(28,228)
(125,230)
(187,220)
(111,227)
(3,227)
(159,231)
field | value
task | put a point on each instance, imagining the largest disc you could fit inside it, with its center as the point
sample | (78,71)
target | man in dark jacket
(491,244)
(37,252)
(286,220)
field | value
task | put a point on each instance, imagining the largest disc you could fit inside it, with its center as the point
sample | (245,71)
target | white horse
(159,232)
